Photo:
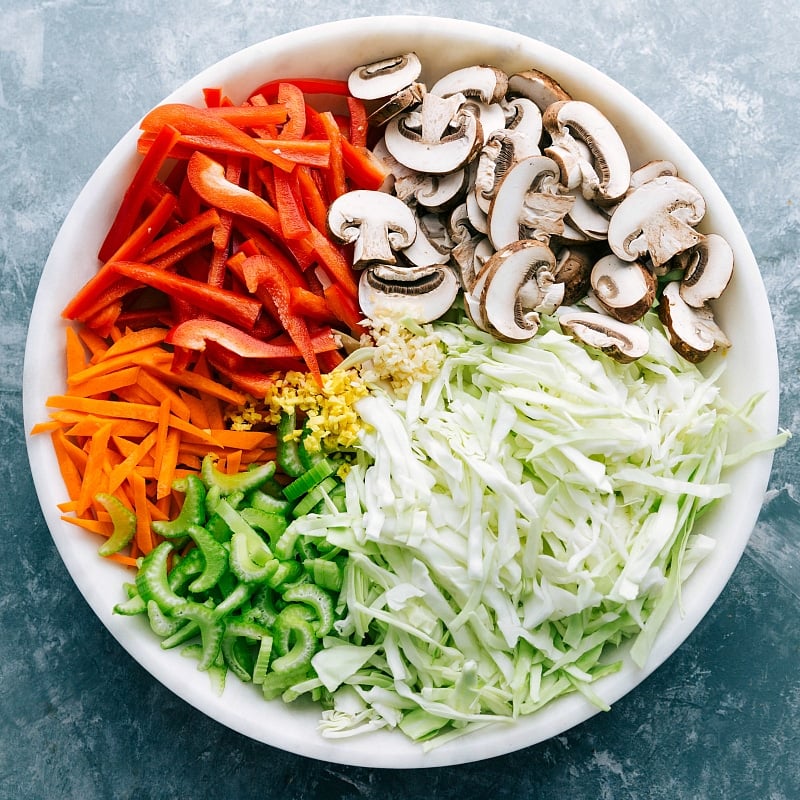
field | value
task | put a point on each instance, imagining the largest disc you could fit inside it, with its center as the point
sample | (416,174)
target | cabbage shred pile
(508,523)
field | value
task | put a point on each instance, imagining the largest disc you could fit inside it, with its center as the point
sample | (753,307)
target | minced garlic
(400,356)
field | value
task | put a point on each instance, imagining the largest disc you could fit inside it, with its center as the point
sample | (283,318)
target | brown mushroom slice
(537,86)
(377,224)
(438,137)
(622,341)
(626,289)
(404,100)
(657,219)
(484,82)
(516,284)
(527,199)
(607,176)
(420,293)
(574,269)
(708,268)
(385,77)
(692,332)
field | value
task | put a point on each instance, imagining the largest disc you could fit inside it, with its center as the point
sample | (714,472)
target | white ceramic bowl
(333,50)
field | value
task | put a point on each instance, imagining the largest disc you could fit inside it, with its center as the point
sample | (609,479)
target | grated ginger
(330,416)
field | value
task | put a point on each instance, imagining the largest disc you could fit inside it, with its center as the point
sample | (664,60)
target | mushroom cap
(484,82)
(607,177)
(422,293)
(439,136)
(692,332)
(658,219)
(573,269)
(622,341)
(626,289)
(708,268)
(376,223)
(385,77)
(515,285)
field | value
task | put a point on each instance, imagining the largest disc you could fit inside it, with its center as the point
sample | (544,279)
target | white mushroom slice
(516,284)
(588,218)
(622,341)
(470,255)
(376,223)
(657,219)
(542,89)
(422,252)
(708,268)
(401,101)
(570,163)
(476,215)
(526,202)
(491,116)
(607,176)
(384,78)
(574,269)
(486,83)
(658,168)
(439,192)
(692,332)
(421,293)
(524,126)
(437,137)
(626,289)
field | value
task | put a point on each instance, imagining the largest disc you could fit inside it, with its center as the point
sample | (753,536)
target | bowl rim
(288,729)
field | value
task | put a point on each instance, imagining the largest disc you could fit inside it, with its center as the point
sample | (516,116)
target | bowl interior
(333,50)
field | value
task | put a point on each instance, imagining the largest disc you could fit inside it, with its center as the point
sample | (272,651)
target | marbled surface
(80,719)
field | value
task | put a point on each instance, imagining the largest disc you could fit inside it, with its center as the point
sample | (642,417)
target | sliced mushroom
(439,136)
(385,77)
(470,255)
(657,168)
(626,289)
(491,116)
(708,268)
(587,217)
(622,341)
(574,269)
(516,284)
(542,89)
(607,175)
(376,223)
(527,198)
(486,83)
(422,252)
(404,100)
(657,219)
(421,293)
(441,192)
(524,126)
(692,332)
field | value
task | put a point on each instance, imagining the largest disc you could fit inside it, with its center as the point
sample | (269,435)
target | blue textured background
(80,719)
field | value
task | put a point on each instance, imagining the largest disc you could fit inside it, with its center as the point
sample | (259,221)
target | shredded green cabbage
(511,521)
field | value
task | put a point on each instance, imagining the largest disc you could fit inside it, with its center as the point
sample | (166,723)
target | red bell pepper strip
(293,100)
(137,191)
(204,122)
(221,236)
(335,177)
(333,262)
(358,126)
(278,289)
(306,85)
(313,202)
(202,223)
(308,304)
(313,152)
(294,223)
(231,306)
(207,178)
(195,333)
(363,169)
(212,96)
(86,301)
(345,309)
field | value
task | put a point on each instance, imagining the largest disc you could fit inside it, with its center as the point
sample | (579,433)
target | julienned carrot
(138,449)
